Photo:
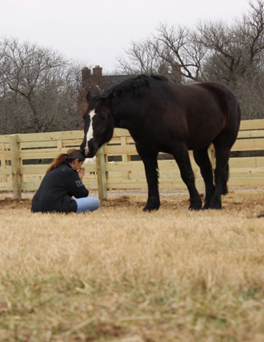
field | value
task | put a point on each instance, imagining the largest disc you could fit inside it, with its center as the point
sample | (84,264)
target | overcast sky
(97,32)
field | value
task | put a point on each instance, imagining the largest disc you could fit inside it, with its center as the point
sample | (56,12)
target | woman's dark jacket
(56,191)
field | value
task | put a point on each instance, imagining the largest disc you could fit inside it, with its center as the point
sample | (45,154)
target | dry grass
(119,274)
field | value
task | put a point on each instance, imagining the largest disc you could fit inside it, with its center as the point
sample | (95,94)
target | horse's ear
(103,95)
(107,96)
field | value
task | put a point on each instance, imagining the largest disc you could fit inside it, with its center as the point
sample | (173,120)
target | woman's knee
(87,204)
(95,204)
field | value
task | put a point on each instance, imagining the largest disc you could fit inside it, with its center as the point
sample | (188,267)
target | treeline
(38,89)
(41,91)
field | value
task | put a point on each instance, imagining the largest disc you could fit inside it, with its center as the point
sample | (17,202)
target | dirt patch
(9,203)
(172,202)
(123,201)
(167,202)
(238,201)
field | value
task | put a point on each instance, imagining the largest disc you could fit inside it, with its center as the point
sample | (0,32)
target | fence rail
(24,159)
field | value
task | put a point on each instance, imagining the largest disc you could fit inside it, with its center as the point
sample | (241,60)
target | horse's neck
(123,123)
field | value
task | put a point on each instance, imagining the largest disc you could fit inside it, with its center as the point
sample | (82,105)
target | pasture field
(121,275)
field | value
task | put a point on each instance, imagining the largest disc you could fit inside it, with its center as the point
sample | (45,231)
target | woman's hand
(81,172)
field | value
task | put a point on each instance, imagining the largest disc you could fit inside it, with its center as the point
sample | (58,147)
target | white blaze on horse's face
(89,134)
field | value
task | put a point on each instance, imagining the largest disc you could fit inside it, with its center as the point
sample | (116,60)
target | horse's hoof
(216,206)
(195,207)
(151,208)
(206,205)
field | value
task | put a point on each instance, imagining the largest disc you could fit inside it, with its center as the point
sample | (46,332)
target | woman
(62,189)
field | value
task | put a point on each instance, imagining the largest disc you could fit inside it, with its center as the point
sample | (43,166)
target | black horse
(162,116)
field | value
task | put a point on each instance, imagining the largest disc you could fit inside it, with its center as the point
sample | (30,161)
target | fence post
(101,173)
(15,166)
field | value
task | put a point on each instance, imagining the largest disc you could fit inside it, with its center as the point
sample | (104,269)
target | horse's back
(212,101)
(226,101)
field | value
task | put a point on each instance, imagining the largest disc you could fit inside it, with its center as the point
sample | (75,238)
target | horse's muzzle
(89,153)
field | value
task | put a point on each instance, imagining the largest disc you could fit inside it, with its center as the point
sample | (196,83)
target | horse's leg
(183,160)
(226,176)
(202,159)
(222,152)
(151,169)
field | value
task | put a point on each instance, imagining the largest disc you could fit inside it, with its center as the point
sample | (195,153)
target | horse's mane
(136,85)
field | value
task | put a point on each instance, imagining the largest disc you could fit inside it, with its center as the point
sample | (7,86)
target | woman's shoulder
(63,168)
(68,167)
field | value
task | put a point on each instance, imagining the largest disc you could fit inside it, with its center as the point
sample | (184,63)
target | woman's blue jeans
(85,204)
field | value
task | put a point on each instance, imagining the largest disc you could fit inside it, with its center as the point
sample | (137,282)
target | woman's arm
(76,185)
(81,172)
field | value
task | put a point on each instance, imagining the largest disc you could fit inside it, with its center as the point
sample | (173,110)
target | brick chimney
(97,71)
(86,76)
(97,75)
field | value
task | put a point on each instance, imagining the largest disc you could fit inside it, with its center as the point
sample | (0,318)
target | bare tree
(233,50)
(34,87)
(169,51)
(215,51)
(143,59)
(235,56)
(177,48)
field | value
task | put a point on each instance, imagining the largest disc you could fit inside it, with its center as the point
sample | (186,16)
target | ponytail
(63,157)
(57,162)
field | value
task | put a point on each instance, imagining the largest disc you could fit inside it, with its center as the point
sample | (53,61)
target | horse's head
(98,124)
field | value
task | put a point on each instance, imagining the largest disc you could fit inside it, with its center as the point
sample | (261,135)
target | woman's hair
(68,157)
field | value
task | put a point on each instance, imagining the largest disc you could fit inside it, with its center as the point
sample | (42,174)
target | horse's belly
(197,145)
(200,141)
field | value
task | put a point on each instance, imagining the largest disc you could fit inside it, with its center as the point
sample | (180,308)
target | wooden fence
(24,159)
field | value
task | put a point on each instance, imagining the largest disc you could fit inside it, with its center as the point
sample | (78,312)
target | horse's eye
(85,115)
